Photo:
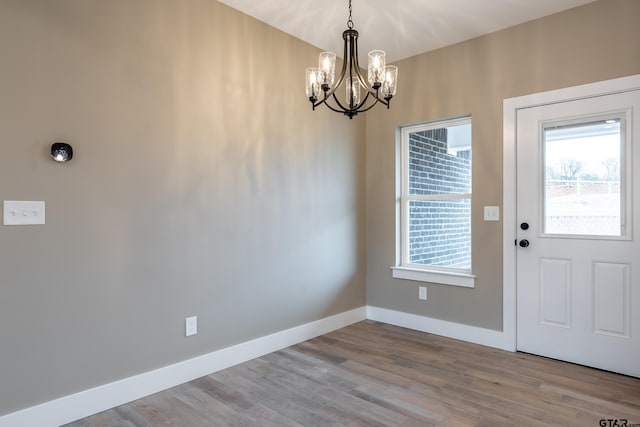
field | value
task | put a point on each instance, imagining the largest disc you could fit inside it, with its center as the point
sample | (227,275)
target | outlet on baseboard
(422,293)
(191,326)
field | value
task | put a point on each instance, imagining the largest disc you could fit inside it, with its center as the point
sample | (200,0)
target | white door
(578,213)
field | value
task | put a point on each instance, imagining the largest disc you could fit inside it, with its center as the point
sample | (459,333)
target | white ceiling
(402,28)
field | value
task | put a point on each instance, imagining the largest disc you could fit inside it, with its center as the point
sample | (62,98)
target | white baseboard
(459,331)
(79,405)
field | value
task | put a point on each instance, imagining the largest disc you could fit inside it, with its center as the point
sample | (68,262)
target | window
(583,192)
(435,203)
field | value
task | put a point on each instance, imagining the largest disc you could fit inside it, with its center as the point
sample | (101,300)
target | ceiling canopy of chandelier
(321,84)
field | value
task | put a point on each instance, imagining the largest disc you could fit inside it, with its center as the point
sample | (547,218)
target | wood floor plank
(372,374)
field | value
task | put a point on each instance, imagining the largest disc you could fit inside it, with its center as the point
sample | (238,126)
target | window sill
(434,276)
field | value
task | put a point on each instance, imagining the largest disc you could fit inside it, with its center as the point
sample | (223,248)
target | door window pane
(583,179)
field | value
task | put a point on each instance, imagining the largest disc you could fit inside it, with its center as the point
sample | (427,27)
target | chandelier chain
(350,21)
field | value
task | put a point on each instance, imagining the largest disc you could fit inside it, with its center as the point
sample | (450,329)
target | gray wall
(202,184)
(595,42)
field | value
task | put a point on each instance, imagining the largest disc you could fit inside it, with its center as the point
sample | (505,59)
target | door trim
(509,230)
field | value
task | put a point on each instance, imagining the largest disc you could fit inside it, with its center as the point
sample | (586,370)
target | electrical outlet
(422,293)
(191,326)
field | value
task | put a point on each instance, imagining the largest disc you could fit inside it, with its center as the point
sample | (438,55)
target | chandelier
(321,85)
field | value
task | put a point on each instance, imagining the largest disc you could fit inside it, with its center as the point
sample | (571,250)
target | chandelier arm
(370,106)
(353,60)
(349,111)
(369,93)
(342,109)
(353,111)
(326,100)
(361,108)
(375,93)
(377,97)
(383,101)
(354,55)
(346,35)
(337,101)
(339,109)
(336,110)
(319,103)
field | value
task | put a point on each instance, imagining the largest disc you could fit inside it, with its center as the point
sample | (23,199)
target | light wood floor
(371,374)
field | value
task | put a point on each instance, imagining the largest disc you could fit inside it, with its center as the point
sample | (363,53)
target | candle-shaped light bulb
(353,92)
(312,85)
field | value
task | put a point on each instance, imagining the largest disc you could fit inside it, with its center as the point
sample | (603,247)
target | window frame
(404,269)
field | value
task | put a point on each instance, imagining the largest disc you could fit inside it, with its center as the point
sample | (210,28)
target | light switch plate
(17,212)
(492,213)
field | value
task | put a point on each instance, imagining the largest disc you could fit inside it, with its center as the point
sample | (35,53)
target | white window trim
(403,269)
(434,276)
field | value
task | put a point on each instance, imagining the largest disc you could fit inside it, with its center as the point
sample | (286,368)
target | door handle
(524,243)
